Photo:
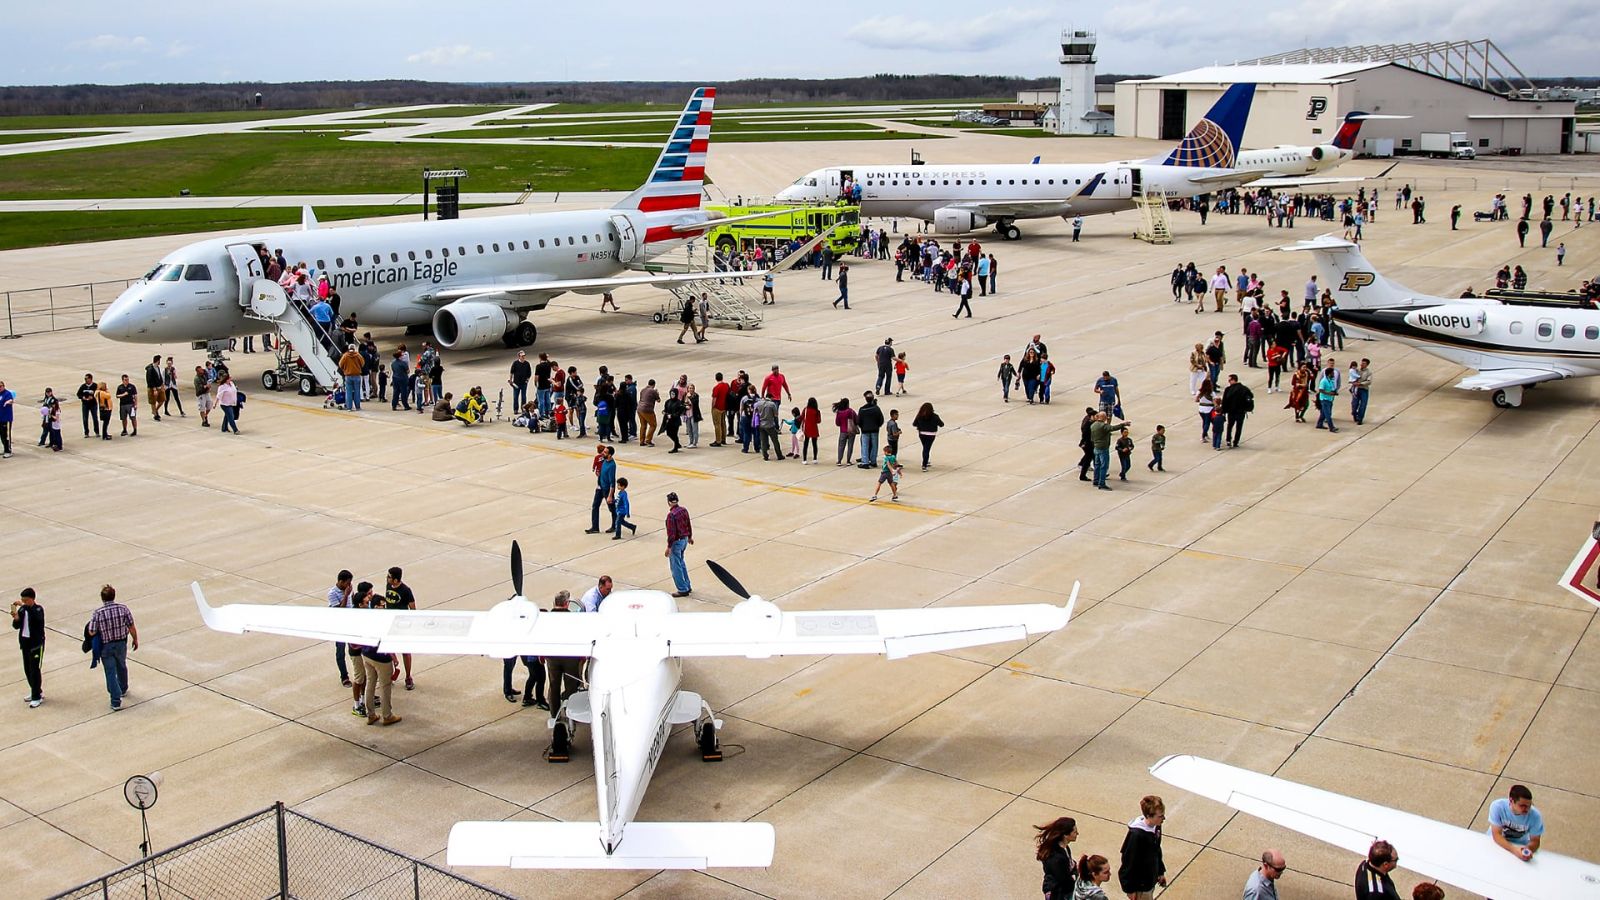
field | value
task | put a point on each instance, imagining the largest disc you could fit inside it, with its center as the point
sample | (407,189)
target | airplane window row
(1547,329)
(175,271)
(377,258)
(896,183)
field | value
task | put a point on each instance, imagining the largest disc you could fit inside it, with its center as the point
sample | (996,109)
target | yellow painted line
(678,471)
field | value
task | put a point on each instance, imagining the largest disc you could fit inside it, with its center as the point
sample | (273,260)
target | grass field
(47,136)
(560,108)
(659,129)
(449,111)
(43,229)
(346,127)
(288,163)
(97,120)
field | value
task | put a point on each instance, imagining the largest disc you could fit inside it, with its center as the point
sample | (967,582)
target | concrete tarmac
(1372,612)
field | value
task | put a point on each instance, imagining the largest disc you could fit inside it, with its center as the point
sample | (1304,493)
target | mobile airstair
(1154,226)
(308,354)
(732,302)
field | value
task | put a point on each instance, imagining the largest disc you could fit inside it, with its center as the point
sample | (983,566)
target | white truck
(1442,144)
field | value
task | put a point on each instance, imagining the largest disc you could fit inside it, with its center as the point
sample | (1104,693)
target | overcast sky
(74,41)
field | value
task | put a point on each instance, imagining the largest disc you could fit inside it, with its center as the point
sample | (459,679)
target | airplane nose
(117,322)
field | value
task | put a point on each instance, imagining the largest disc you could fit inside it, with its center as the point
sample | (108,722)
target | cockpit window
(155,273)
(172,273)
(197,273)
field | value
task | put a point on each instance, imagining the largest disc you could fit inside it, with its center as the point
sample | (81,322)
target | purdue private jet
(1458,856)
(1512,345)
(474,281)
(635,644)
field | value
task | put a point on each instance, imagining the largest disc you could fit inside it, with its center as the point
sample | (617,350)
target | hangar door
(1174,114)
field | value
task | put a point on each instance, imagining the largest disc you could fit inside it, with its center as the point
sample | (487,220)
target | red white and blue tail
(678,178)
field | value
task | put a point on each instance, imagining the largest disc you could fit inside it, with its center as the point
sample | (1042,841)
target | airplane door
(627,239)
(1122,182)
(247,265)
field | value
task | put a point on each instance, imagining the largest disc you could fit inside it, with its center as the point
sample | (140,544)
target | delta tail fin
(1354,282)
(1345,139)
(678,177)
(1214,142)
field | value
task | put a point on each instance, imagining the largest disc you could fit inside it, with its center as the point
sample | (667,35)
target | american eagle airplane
(473,280)
(1468,859)
(1511,345)
(636,644)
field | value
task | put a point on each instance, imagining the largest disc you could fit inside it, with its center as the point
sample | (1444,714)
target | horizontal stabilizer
(645,845)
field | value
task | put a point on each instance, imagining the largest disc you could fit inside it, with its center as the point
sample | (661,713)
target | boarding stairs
(1154,226)
(731,302)
(313,350)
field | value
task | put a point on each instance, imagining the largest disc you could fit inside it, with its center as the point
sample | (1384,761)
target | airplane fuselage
(1489,335)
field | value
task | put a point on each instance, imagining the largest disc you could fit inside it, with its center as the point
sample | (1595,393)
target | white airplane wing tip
(208,613)
(644,845)
(1328,241)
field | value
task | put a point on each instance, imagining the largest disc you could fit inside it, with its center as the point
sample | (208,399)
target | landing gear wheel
(560,745)
(1011,232)
(710,750)
(509,339)
(269,380)
(526,334)
(308,386)
(657,318)
(1500,401)
(726,245)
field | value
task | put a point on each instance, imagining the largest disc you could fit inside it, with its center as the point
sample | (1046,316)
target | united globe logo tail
(1214,141)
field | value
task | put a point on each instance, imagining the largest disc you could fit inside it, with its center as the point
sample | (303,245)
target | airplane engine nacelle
(1326,156)
(949,220)
(467,325)
(1319,153)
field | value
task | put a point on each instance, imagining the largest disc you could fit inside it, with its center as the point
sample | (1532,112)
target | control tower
(1077,82)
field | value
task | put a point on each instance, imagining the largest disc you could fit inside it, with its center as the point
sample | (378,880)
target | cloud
(178,48)
(967,34)
(112,43)
(454,54)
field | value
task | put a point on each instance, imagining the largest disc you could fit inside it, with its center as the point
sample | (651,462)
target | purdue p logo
(1319,105)
(1355,281)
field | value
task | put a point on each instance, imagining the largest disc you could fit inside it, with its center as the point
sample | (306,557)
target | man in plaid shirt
(112,623)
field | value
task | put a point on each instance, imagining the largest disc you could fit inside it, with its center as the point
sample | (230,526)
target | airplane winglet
(208,613)
(308,219)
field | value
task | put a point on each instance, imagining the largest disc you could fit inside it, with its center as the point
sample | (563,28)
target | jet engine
(468,325)
(1326,155)
(953,220)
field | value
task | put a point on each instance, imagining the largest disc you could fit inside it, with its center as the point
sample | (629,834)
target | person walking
(1007,374)
(927,423)
(1327,390)
(963,289)
(1053,849)
(378,677)
(621,508)
(340,597)
(112,627)
(844,286)
(680,534)
(1263,882)
(1237,402)
(27,617)
(169,389)
(228,399)
(672,419)
(605,487)
(648,398)
(869,421)
(1100,432)
(884,357)
(1360,387)
(1522,232)
(1142,865)
(1124,448)
(686,317)
(1372,876)
(994,274)
(154,388)
(1205,402)
(521,374)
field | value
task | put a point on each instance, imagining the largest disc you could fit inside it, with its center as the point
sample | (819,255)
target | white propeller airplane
(636,644)
(1511,345)
(473,280)
(1465,858)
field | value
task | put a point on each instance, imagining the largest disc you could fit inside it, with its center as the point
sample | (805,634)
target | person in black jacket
(1054,852)
(1372,876)
(1237,402)
(1142,866)
(27,617)
(869,419)
(1084,443)
(927,423)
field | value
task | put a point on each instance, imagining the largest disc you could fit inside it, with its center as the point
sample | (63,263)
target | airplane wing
(1496,379)
(1314,180)
(757,629)
(1019,208)
(560,286)
(510,629)
(1467,859)
(1230,177)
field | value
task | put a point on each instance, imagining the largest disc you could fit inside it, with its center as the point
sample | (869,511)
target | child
(619,512)
(889,473)
(900,368)
(793,424)
(1047,371)
(1124,453)
(1008,374)
(893,443)
(559,417)
(1158,443)
(768,298)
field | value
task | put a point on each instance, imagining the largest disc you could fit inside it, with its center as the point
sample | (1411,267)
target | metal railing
(280,853)
(60,308)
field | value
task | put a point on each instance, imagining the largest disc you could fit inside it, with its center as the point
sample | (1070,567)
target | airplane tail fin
(1345,139)
(645,845)
(1583,576)
(678,177)
(1355,284)
(1214,142)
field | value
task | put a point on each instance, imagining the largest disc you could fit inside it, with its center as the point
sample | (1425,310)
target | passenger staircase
(731,303)
(318,351)
(1154,227)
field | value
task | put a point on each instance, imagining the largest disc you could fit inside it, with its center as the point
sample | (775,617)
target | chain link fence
(280,853)
(60,308)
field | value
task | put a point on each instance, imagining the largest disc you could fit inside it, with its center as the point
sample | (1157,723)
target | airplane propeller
(516,568)
(727,579)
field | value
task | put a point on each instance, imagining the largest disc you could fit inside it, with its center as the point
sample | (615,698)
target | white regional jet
(473,280)
(1462,857)
(1288,166)
(1511,345)
(636,644)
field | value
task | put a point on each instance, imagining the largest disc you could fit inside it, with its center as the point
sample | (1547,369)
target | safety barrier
(280,853)
(60,308)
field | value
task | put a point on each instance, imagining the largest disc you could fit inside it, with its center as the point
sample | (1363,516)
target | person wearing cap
(679,535)
(885,358)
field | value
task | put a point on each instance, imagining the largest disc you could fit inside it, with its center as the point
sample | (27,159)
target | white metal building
(1301,98)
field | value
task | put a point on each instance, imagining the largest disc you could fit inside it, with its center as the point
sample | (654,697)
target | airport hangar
(1302,96)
